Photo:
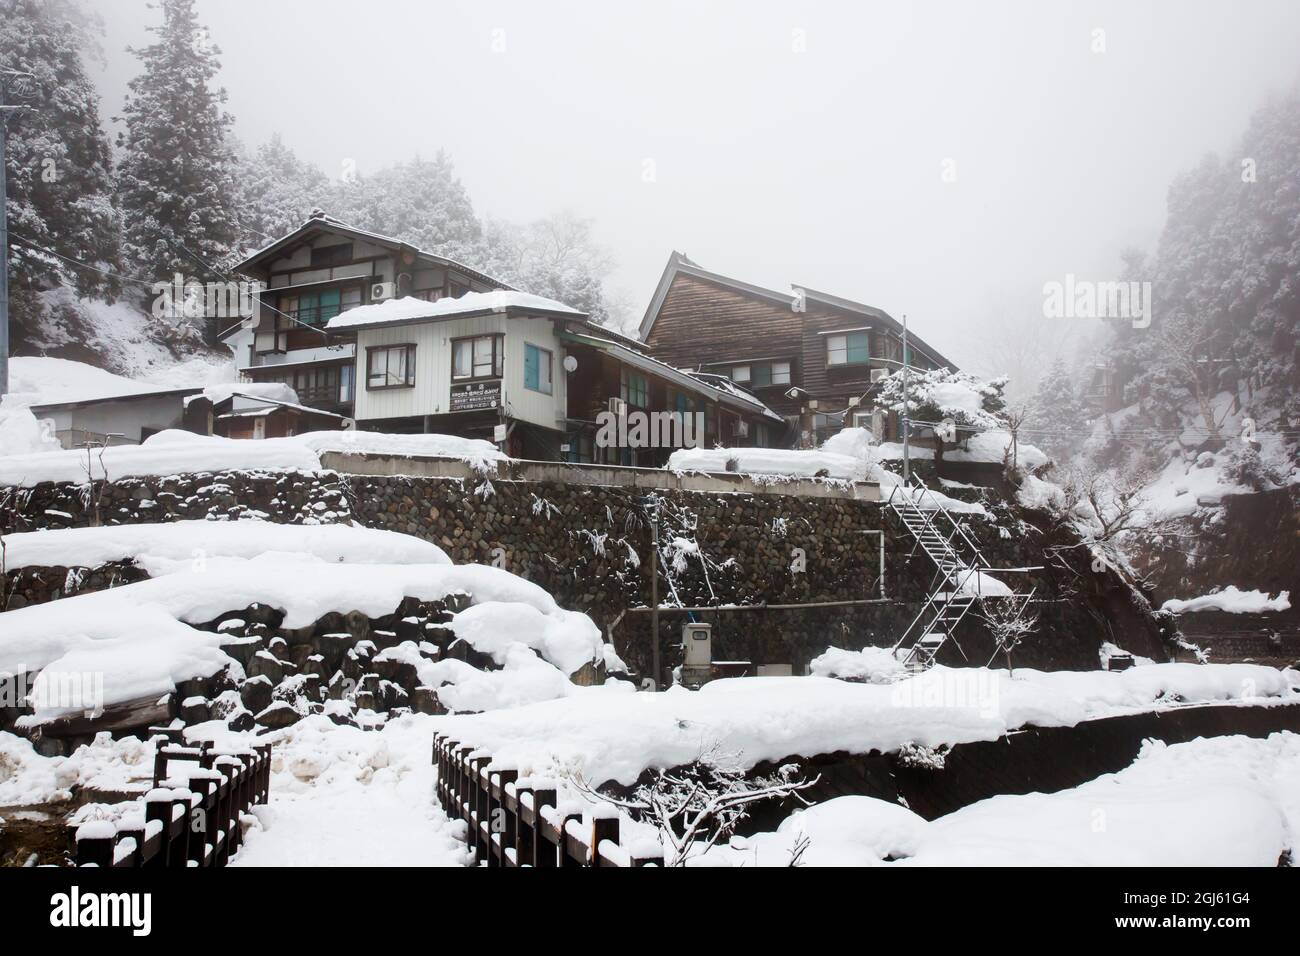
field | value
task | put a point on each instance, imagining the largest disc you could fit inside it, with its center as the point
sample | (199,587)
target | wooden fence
(191,824)
(516,824)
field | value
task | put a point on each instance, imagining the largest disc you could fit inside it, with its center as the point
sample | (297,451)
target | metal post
(5,112)
(907,454)
(4,252)
(654,588)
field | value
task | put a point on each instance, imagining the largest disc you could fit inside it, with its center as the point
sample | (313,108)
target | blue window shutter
(531,364)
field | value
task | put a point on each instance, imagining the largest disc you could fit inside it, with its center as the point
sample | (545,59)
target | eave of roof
(132,396)
(664,370)
(328,224)
(678,263)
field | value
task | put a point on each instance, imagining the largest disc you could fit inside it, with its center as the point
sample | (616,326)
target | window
(537,369)
(326,256)
(390,366)
(317,308)
(345,383)
(635,388)
(848,349)
(762,374)
(479,357)
(456,289)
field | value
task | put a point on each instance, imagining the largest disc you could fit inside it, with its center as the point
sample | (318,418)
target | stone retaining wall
(589,546)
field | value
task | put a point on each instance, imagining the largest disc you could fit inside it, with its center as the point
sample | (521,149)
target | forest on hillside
(109,217)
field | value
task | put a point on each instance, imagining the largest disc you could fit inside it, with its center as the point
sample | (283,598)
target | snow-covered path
(344,797)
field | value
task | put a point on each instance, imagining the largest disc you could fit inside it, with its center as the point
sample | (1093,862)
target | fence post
(602,828)
(510,831)
(178,846)
(566,859)
(543,851)
(158,808)
(525,833)
(199,812)
(95,843)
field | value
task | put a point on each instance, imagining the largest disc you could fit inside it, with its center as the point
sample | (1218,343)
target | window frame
(409,382)
(626,390)
(498,358)
(847,348)
(550,370)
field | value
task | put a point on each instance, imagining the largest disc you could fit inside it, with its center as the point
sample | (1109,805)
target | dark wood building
(813,357)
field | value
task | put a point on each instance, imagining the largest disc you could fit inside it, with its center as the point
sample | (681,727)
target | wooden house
(813,357)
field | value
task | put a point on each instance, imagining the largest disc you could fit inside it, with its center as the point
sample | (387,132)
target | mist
(939,160)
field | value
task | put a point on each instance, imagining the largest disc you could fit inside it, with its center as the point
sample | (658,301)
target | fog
(942,160)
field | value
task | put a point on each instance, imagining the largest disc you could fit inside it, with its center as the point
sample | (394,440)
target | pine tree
(278,193)
(1058,416)
(557,257)
(58,159)
(177,178)
(420,202)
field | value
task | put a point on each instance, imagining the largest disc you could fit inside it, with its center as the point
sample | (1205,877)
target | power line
(78,262)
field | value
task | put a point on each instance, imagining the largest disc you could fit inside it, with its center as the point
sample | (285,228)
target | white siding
(431,394)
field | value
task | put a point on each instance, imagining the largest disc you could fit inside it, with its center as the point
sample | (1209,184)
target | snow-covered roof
(409,309)
(695,383)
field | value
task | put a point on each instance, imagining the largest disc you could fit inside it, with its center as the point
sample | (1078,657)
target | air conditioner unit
(879,375)
(618,407)
(380,291)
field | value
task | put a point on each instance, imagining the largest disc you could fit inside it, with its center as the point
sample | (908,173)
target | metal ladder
(957,581)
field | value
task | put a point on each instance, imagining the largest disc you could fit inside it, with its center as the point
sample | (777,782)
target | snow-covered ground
(612,733)
(176,452)
(341,796)
(1232,601)
(140,637)
(1223,801)
(179,545)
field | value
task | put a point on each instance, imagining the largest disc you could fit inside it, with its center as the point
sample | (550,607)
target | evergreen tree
(557,257)
(1058,416)
(278,193)
(58,159)
(420,202)
(176,183)
(1225,296)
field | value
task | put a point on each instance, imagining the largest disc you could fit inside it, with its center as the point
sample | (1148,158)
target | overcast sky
(782,142)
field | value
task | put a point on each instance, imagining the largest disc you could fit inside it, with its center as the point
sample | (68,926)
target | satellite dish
(570,363)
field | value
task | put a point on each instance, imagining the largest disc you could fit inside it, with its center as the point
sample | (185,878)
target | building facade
(813,357)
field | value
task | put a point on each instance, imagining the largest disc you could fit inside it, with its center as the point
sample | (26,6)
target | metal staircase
(958,583)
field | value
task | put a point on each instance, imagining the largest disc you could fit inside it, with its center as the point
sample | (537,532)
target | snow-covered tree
(557,257)
(700,805)
(1057,417)
(176,182)
(278,192)
(1010,622)
(955,405)
(421,202)
(1226,304)
(58,159)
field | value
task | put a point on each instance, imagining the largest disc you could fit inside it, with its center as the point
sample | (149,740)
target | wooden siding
(701,323)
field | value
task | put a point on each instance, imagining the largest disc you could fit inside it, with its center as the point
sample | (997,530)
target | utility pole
(907,455)
(5,112)
(652,508)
